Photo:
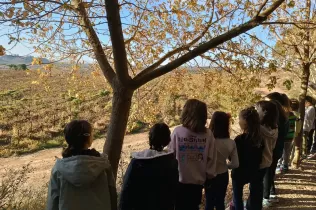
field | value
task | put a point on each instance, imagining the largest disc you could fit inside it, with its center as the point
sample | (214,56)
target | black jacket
(150,182)
(249,159)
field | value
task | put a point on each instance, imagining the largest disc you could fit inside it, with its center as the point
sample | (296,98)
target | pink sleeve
(211,158)
(172,144)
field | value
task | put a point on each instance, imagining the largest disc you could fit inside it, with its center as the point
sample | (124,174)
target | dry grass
(34,109)
(15,195)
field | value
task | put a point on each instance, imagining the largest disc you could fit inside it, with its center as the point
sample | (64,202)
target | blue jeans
(238,187)
(255,198)
(189,196)
(215,192)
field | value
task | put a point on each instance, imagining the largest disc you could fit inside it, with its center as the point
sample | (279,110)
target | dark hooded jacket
(150,181)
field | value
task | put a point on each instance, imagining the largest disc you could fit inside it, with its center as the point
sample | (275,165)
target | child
(152,176)
(250,147)
(308,126)
(288,143)
(83,178)
(298,127)
(268,115)
(215,189)
(282,103)
(194,146)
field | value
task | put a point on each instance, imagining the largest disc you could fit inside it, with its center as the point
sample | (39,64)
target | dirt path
(297,189)
(42,162)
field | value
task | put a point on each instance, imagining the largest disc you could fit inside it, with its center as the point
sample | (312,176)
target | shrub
(15,195)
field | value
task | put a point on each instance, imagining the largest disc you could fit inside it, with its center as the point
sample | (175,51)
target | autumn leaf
(2,50)
(36,61)
(10,12)
(291,4)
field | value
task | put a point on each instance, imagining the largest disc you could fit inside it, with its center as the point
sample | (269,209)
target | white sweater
(226,149)
(309,118)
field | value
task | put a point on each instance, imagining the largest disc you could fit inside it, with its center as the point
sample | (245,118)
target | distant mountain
(16,59)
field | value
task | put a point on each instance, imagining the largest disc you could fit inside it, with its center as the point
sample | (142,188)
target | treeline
(18,67)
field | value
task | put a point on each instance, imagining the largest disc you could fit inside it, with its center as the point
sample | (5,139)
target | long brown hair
(251,116)
(282,102)
(270,113)
(220,125)
(194,115)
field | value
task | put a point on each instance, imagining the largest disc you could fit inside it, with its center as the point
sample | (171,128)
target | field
(35,105)
(34,109)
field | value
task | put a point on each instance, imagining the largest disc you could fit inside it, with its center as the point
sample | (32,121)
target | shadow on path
(297,189)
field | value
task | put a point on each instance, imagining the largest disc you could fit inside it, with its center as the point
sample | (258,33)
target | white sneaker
(274,199)
(266,203)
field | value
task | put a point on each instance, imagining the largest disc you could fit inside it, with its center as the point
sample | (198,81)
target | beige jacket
(269,140)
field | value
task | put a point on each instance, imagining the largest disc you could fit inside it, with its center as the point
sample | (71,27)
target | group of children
(173,172)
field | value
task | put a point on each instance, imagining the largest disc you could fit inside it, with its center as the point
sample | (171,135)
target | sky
(24,49)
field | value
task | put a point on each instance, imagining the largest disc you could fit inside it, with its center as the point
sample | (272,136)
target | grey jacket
(269,141)
(80,183)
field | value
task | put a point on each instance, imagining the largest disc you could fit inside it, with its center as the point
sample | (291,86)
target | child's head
(282,104)
(280,98)
(295,105)
(220,125)
(249,122)
(194,115)
(308,101)
(78,135)
(286,102)
(159,136)
(268,113)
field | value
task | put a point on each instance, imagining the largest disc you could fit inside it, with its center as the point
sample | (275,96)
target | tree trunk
(121,104)
(299,139)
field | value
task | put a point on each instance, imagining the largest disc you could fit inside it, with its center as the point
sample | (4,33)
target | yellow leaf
(2,50)
(10,12)
(25,14)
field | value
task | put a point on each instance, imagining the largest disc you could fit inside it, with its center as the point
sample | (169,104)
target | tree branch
(141,79)
(117,39)
(261,7)
(186,46)
(95,43)
(137,27)
(296,24)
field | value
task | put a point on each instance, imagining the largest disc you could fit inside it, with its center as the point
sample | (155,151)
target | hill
(16,59)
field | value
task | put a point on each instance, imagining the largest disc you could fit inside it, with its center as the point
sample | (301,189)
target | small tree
(13,67)
(133,42)
(22,67)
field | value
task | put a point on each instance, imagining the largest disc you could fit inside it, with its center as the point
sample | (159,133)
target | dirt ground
(297,189)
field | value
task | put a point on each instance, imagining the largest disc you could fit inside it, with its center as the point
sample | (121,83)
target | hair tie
(85,134)
(229,115)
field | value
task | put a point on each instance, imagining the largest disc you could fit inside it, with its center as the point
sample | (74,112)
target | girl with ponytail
(250,147)
(83,178)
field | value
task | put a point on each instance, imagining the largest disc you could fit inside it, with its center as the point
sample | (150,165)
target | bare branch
(95,43)
(186,46)
(137,27)
(296,24)
(141,79)
(261,7)
(117,39)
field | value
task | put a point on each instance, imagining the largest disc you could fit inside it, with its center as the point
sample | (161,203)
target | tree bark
(121,104)
(304,86)
(299,139)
